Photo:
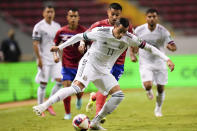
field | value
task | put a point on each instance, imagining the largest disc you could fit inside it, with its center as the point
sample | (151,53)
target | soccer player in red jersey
(114,13)
(71,55)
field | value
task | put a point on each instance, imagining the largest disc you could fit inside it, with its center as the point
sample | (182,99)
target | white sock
(41,93)
(149,91)
(110,105)
(56,88)
(61,94)
(159,99)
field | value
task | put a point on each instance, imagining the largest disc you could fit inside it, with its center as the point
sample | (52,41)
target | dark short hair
(123,21)
(48,6)
(115,6)
(152,10)
(73,9)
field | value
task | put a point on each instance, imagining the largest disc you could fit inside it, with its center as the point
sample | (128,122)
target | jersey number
(110,51)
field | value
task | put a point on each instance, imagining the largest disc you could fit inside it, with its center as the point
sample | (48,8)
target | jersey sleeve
(136,31)
(57,38)
(37,35)
(90,35)
(167,37)
(131,30)
(133,40)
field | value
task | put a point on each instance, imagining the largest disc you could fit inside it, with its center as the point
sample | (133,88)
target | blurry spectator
(10,51)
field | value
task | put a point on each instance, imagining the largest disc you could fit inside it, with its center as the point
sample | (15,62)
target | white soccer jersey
(105,48)
(45,33)
(158,38)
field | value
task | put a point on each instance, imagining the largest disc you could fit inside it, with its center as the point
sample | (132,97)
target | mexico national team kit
(45,33)
(152,67)
(118,68)
(98,61)
(71,55)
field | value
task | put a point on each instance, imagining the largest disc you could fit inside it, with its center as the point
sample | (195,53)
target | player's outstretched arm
(155,51)
(135,41)
(70,41)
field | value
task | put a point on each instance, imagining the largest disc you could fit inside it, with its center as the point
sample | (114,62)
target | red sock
(67,104)
(100,101)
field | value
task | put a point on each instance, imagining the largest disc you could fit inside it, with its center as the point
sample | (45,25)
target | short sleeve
(57,38)
(167,37)
(36,33)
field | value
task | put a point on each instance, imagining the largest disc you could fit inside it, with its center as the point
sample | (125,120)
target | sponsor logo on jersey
(103,29)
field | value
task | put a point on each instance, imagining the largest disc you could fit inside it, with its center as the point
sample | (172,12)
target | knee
(160,89)
(148,85)
(42,86)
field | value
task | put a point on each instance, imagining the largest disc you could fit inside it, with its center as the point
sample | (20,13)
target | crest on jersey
(85,78)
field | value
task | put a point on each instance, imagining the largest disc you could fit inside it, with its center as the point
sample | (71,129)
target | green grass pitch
(135,113)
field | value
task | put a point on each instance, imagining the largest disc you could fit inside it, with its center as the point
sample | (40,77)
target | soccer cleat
(103,120)
(78,104)
(150,94)
(89,106)
(157,112)
(96,126)
(39,109)
(51,111)
(67,116)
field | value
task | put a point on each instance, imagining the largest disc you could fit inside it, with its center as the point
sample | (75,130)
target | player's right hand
(170,65)
(54,49)
(40,63)
(56,59)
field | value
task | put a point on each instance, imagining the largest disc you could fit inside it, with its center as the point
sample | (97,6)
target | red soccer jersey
(71,56)
(121,59)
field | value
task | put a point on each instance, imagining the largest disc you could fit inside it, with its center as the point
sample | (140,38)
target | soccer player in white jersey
(153,68)
(43,35)
(95,66)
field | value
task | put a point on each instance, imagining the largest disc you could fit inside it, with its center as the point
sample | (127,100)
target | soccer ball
(81,122)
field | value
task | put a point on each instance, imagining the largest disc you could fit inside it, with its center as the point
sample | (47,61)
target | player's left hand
(54,49)
(81,49)
(134,58)
(170,65)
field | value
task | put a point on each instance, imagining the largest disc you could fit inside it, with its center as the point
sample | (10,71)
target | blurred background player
(152,68)
(71,55)
(114,13)
(43,35)
(10,48)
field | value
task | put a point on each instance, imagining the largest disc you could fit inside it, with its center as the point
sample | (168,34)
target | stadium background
(180,17)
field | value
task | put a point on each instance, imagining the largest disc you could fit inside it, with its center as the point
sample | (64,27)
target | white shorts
(88,73)
(49,71)
(157,76)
